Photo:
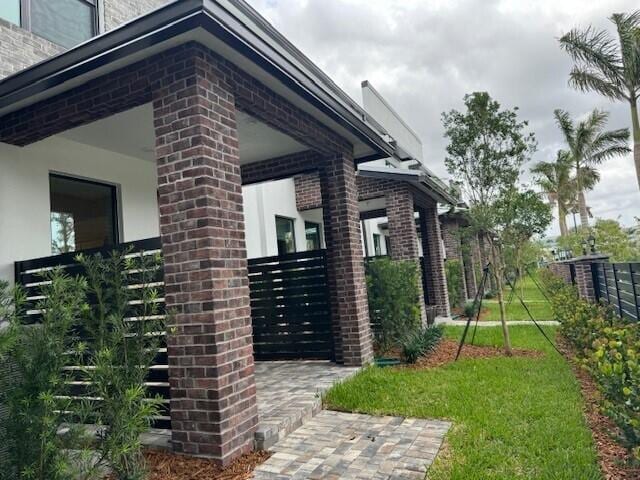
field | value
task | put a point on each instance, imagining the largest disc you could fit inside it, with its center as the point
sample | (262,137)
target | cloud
(423,56)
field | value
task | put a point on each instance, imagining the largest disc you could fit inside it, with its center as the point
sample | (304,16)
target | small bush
(471,309)
(394,306)
(608,347)
(420,342)
(455,282)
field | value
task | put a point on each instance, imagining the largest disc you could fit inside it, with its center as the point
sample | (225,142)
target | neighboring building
(198,129)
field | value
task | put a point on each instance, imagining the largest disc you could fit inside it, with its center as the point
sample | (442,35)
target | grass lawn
(514,418)
(537,304)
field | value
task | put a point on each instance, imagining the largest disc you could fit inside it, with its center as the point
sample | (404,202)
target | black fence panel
(290,308)
(29,274)
(618,284)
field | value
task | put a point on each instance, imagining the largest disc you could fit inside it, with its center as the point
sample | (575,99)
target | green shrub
(394,306)
(471,309)
(419,342)
(455,282)
(608,347)
(35,396)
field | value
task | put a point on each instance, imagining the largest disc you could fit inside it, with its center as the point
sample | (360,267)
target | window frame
(317,226)
(377,245)
(115,201)
(292,221)
(25,17)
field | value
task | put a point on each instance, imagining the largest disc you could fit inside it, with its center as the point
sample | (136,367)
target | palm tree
(609,67)
(557,183)
(589,145)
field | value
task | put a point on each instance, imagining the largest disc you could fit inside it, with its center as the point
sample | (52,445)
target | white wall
(262,203)
(24,194)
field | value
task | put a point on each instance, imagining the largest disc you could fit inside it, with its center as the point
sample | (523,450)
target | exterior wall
(308,194)
(117,12)
(20,49)
(265,201)
(24,194)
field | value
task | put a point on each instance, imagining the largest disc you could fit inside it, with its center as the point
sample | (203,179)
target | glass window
(286,235)
(10,11)
(312,233)
(83,214)
(64,22)
(377,249)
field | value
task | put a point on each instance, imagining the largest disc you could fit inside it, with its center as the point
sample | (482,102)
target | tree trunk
(636,138)
(498,272)
(584,213)
(562,220)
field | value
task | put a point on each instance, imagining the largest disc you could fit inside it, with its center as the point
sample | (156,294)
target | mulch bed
(168,466)
(446,351)
(612,457)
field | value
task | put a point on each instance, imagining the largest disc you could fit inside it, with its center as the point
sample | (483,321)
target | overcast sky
(424,55)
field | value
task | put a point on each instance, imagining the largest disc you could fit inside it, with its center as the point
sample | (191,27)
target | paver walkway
(347,446)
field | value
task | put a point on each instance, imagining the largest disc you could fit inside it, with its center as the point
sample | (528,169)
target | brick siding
(117,12)
(308,191)
(451,238)
(431,236)
(20,49)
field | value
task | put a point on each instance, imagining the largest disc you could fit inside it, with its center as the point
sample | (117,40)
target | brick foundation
(210,347)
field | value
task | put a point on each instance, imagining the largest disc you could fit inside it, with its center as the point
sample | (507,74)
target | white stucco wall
(25,205)
(24,194)
(262,203)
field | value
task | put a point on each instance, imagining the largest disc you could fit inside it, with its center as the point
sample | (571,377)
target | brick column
(453,249)
(403,234)
(348,289)
(210,347)
(436,280)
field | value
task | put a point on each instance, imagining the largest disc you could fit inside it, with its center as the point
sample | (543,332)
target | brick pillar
(471,284)
(403,234)
(436,280)
(486,258)
(210,346)
(584,275)
(348,289)
(453,249)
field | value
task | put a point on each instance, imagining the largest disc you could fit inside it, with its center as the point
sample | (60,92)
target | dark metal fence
(289,306)
(618,284)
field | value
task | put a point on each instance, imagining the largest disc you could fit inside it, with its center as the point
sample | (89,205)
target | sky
(423,56)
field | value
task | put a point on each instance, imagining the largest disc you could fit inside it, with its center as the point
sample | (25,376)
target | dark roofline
(260,43)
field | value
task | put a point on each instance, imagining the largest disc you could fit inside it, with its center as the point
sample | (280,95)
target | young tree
(589,145)
(487,147)
(609,67)
(557,183)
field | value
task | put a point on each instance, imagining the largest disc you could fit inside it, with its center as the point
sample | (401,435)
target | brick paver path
(347,446)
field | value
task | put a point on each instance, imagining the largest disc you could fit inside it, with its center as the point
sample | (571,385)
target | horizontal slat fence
(29,274)
(289,306)
(618,284)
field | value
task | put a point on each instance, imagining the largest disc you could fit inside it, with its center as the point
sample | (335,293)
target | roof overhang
(423,180)
(233,30)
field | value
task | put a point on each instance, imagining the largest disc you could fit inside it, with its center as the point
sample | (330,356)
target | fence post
(606,282)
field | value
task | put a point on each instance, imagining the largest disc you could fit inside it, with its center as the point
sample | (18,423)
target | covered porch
(175,112)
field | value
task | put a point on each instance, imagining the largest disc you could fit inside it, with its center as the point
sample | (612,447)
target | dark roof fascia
(417,178)
(180,17)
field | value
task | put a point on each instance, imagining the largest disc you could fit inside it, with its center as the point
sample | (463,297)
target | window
(312,234)
(10,11)
(286,235)
(64,22)
(83,214)
(377,249)
(387,244)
